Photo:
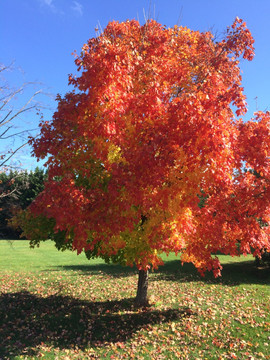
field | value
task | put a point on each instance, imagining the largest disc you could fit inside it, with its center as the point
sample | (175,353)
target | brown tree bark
(141,297)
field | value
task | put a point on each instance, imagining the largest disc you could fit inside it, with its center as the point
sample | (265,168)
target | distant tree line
(17,190)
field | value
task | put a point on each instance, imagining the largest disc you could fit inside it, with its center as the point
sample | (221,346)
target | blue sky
(39,36)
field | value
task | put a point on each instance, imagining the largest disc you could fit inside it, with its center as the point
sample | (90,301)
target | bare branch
(9,113)
(3,133)
(13,153)
(3,195)
(23,108)
(16,134)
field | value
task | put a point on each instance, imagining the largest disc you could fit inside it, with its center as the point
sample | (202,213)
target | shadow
(27,321)
(234,273)
(109,269)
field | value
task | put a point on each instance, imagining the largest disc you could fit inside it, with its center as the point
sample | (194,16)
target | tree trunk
(141,297)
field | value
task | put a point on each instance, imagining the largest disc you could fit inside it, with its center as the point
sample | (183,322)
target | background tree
(149,133)
(13,135)
(18,189)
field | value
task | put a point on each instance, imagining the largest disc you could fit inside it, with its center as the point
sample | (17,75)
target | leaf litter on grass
(63,314)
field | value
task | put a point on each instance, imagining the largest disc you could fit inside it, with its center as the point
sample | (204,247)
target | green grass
(56,305)
(16,255)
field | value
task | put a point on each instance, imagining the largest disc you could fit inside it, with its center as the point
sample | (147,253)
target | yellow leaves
(114,155)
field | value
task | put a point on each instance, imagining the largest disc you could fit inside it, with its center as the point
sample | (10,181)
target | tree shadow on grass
(27,321)
(93,269)
(234,273)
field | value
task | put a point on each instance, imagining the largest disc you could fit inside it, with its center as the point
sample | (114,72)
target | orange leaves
(255,142)
(240,40)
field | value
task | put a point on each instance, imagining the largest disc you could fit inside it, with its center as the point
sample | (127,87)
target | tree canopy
(149,153)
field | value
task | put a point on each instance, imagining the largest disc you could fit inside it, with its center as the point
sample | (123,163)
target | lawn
(57,305)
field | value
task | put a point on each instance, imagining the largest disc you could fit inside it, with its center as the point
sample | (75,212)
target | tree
(18,189)
(13,139)
(147,156)
(9,132)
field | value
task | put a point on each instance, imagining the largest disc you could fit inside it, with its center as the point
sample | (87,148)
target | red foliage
(149,130)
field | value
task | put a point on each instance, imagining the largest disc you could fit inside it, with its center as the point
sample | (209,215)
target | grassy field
(56,305)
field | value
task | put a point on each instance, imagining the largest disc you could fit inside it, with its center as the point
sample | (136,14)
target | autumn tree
(151,131)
